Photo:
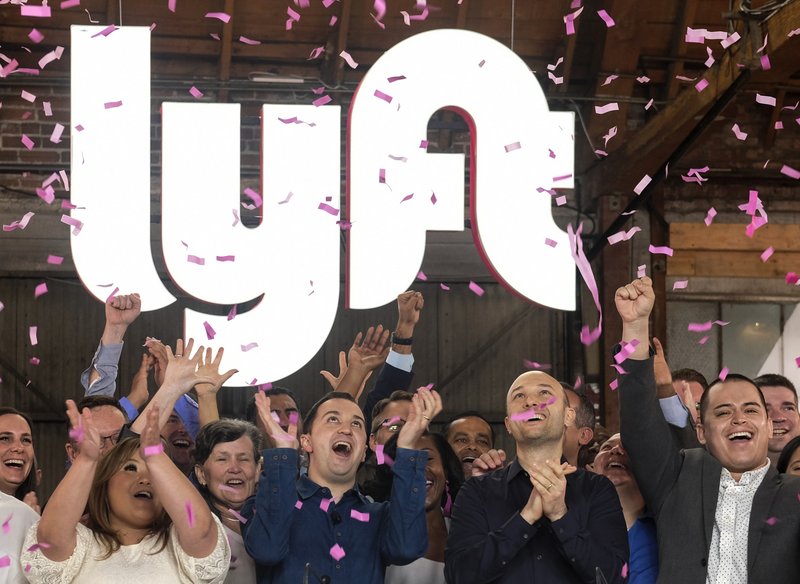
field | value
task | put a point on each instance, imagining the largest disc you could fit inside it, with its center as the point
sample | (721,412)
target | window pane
(750,337)
(682,348)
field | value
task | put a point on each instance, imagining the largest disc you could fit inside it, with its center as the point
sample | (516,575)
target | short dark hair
(775,380)
(468,414)
(251,413)
(787,453)
(98,401)
(29,483)
(377,409)
(584,413)
(690,375)
(380,487)
(309,418)
(730,377)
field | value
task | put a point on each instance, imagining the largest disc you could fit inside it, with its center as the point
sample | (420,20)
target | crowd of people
(698,487)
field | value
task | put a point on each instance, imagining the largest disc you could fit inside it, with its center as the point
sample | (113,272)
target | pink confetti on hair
(224,16)
(247,41)
(536,365)
(730,40)
(680,285)
(790,172)
(328,209)
(606,18)
(767,253)
(154,450)
(765,99)
(604,109)
(358,516)
(55,137)
(614,384)
(723,374)
(40,290)
(738,133)
(641,271)
(476,289)
(381,95)
(642,184)
(36,11)
(249,346)
(666,250)
(587,336)
(322,100)
(348,59)
(112,104)
(32,333)
(513,146)
(324,504)
(299,504)
(626,350)
(194,92)
(550,242)
(27,142)
(189,514)
(701,85)
(210,332)
(623,235)
(193,259)
(337,553)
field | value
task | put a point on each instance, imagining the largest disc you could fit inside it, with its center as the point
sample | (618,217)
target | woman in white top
(147,524)
(227,466)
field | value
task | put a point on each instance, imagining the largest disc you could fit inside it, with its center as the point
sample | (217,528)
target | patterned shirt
(727,558)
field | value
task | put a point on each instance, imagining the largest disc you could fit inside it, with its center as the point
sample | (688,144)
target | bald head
(539,378)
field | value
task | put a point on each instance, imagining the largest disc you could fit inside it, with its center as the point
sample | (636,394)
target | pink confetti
(254,196)
(698,327)
(433,198)
(27,96)
(21,224)
(536,365)
(643,79)
(7,524)
(381,95)
(790,172)
(614,384)
(48,108)
(226,258)
(475,288)
(32,333)
(239,517)
(394,78)
(36,11)
(112,104)
(210,332)
(569,21)
(444,287)
(421,276)
(765,99)
(765,64)
(771,521)
(189,514)
(625,570)
(171,5)
(730,40)
(38,546)
(328,209)
(641,271)
(35,36)
(710,60)
(623,235)
(325,504)
(723,374)
(232,313)
(196,93)
(315,53)
(193,259)
(680,285)
(27,142)
(223,16)
(738,133)
(701,85)
(337,553)
(5,562)
(587,336)
(55,137)
(322,100)
(249,346)
(513,146)
(550,242)
(626,350)
(298,505)
(604,109)
(154,450)
(106,31)
(348,59)
(380,458)
(40,290)
(407,198)
(247,41)
(703,340)
(797,361)
(608,20)
(767,253)
(77,435)
(660,249)
(358,516)
(642,184)
(34,360)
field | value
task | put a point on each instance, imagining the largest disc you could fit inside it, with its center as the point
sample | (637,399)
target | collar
(749,478)
(515,468)
(306,489)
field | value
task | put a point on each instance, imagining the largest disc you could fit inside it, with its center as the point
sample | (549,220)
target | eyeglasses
(109,441)
(393,424)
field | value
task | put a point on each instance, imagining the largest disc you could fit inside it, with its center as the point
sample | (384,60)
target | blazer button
(703,562)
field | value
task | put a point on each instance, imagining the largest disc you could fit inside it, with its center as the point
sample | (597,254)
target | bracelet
(401,341)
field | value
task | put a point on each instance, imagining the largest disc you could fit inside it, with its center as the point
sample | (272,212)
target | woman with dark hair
(443,478)
(17,484)
(789,461)
(146,522)
(227,455)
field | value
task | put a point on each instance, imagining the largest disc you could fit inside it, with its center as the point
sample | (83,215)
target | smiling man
(781,397)
(538,519)
(723,513)
(320,528)
(470,435)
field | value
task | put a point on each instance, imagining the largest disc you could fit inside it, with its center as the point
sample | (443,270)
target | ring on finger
(426,417)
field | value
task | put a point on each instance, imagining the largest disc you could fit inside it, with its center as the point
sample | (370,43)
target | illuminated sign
(396,190)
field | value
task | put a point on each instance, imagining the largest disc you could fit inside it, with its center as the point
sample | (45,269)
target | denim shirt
(293,521)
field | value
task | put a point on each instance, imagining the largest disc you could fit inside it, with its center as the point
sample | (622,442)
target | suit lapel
(710,488)
(762,503)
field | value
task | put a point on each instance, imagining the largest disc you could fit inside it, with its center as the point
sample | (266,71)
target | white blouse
(243,568)
(140,563)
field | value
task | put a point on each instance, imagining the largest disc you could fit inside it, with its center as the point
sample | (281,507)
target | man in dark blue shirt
(320,527)
(539,520)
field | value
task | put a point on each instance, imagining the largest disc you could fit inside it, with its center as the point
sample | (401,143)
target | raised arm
(196,529)
(654,452)
(207,392)
(66,504)
(100,378)
(363,358)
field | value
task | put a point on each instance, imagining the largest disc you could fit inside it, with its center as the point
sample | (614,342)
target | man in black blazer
(723,514)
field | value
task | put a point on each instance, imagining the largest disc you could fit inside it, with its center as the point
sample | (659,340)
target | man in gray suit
(723,514)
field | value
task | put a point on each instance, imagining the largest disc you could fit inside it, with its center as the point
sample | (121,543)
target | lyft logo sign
(395,191)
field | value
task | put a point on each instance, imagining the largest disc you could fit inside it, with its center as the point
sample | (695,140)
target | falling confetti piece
(210,333)
(381,95)
(358,516)
(609,23)
(5,562)
(232,313)
(536,365)
(32,333)
(771,521)
(193,259)
(348,59)
(475,288)
(247,41)
(224,16)
(154,450)
(112,104)
(604,109)
(407,198)
(322,100)
(626,350)
(641,271)
(513,146)
(337,553)
(248,347)
(625,570)
(642,184)
(35,11)
(701,85)
(614,384)
(660,249)
(328,209)
(767,253)
(189,514)
(325,503)
(226,258)
(27,142)
(40,290)
(730,40)
(738,132)
(723,374)
(712,212)
(196,93)
(298,505)
(623,235)
(550,242)
(444,287)
(239,517)
(765,99)
(703,340)
(790,172)
(680,285)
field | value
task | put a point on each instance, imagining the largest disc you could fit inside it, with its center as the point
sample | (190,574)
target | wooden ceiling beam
(687,12)
(226,50)
(332,68)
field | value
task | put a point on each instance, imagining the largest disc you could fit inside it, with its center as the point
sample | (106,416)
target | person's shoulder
(10,504)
